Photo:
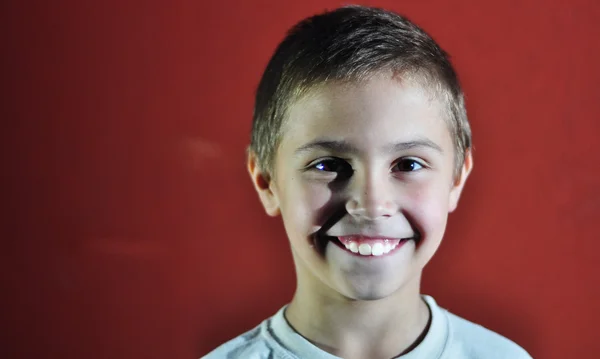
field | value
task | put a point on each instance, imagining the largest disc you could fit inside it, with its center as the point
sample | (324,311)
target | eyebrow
(345,147)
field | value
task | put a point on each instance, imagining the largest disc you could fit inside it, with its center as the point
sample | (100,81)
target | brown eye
(332,165)
(408,165)
(336,167)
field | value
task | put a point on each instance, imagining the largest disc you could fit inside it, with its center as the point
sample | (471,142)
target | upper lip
(371,235)
(370,231)
(364,236)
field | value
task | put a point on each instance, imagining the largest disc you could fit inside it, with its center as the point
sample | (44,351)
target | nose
(371,197)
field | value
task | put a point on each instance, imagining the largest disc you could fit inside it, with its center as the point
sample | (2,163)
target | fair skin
(373,162)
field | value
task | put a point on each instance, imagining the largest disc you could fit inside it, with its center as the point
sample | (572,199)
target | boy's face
(364,166)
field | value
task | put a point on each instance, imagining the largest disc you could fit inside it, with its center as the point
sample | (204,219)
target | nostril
(370,210)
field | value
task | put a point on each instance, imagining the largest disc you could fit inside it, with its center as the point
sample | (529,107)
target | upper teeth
(366,249)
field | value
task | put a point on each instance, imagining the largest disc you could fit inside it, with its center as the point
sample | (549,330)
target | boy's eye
(408,165)
(332,165)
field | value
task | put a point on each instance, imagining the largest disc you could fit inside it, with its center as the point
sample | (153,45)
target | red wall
(131,229)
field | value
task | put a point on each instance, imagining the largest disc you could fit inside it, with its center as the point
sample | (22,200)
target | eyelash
(337,162)
(411,161)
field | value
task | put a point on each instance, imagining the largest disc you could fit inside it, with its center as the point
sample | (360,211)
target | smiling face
(360,168)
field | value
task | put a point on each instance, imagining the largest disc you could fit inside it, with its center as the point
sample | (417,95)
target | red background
(131,229)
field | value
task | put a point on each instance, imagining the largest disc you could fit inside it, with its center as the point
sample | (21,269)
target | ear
(263,183)
(459,181)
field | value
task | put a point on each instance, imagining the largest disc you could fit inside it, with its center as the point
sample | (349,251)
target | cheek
(306,203)
(428,206)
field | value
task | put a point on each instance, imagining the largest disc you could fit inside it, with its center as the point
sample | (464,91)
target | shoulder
(254,344)
(475,341)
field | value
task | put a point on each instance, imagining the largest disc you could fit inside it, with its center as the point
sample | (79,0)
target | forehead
(372,113)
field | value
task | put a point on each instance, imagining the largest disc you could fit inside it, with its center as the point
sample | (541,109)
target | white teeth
(364,249)
(353,247)
(377,249)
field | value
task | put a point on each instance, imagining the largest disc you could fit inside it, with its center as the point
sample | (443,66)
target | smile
(370,246)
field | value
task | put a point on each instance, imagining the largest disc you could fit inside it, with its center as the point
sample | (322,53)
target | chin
(368,288)
(369,291)
(370,296)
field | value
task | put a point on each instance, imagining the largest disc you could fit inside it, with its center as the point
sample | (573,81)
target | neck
(348,328)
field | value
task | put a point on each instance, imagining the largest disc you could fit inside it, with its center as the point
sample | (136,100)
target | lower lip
(400,244)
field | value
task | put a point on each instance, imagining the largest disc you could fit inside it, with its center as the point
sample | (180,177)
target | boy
(360,141)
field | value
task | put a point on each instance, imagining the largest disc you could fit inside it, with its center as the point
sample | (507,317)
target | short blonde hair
(352,43)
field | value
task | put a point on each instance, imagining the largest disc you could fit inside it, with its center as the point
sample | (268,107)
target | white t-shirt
(448,337)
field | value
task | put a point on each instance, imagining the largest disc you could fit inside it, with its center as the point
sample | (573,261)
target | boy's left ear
(459,181)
